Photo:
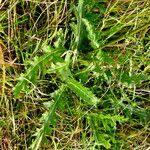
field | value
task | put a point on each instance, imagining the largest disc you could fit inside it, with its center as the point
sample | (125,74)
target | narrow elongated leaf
(79,23)
(78,28)
(82,91)
(91,34)
(48,119)
(32,72)
(113,30)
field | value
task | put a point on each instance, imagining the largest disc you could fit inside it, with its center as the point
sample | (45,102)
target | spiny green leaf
(91,34)
(78,28)
(32,72)
(60,42)
(82,91)
(103,126)
(49,118)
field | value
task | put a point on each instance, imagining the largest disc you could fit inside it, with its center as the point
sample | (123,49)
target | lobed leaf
(49,118)
(81,91)
(32,73)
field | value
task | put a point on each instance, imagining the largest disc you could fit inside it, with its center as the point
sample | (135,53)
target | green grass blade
(124,36)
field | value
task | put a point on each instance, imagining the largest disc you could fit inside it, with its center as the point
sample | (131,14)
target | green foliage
(81,91)
(78,28)
(59,68)
(79,72)
(91,34)
(32,73)
(104,128)
(48,119)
